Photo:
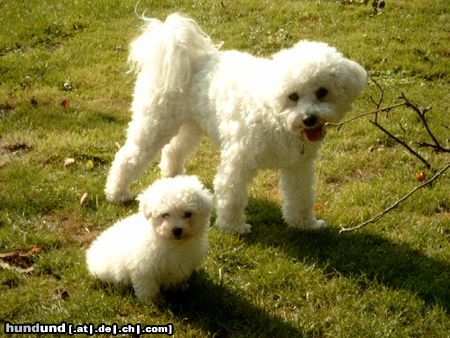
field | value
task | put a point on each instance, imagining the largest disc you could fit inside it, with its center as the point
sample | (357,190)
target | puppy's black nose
(309,120)
(177,232)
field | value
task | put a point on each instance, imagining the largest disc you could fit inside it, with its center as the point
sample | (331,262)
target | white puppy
(262,113)
(159,246)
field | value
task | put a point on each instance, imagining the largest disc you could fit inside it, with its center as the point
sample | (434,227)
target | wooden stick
(385,211)
(365,114)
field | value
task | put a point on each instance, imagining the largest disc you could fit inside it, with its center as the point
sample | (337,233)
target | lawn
(65,93)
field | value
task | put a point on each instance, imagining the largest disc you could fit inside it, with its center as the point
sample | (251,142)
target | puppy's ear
(201,196)
(354,78)
(202,199)
(205,201)
(144,205)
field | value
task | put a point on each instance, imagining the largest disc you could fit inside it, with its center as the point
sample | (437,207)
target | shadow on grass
(222,313)
(394,265)
(213,309)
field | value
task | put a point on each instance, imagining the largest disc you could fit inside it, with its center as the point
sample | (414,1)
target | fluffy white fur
(159,246)
(262,113)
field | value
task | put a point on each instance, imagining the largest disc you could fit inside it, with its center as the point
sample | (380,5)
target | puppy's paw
(183,286)
(147,298)
(236,229)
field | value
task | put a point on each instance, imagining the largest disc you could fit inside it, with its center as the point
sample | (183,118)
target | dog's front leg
(297,189)
(147,290)
(230,185)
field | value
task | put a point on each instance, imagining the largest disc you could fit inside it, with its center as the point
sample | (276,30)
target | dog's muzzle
(309,120)
(313,130)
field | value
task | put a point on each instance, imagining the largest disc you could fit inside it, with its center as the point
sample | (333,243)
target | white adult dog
(263,113)
(161,245)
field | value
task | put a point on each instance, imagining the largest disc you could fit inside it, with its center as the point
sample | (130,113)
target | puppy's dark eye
(321,93)
(165,215)
(294,97)
(187,214)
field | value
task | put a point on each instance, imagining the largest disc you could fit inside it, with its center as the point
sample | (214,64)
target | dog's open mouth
(314,134)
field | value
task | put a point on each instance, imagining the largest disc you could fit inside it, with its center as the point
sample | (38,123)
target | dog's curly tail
(166,52)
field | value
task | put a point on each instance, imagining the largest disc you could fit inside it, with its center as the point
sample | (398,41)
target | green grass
(390,279)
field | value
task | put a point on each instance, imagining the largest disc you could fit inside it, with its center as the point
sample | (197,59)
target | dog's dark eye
(321,93)
(294,97)
(187,214)
(165,215)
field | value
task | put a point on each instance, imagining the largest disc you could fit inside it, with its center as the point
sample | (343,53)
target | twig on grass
(394,205)
(436,145)
(421,113)
(381,89)
(411,150)
(374,112)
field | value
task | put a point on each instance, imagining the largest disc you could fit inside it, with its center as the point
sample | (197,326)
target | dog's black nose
(177,232)
(309,120)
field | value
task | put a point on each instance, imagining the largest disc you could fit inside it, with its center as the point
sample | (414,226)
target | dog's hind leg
(230,189)
(181,145)
(146,137)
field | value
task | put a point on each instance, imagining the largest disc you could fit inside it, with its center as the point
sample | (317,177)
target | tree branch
(436,146)
(379,110)
(411,150)
(421,112)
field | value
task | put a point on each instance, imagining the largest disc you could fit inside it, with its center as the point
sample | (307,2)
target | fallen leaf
(84,198)
(420,176)
(19,258)
(318,206)
(65,103)
(68,161)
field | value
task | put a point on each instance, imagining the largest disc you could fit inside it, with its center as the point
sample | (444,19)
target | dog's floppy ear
(354,78)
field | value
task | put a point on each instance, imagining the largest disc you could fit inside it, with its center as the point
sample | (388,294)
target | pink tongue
(314,134)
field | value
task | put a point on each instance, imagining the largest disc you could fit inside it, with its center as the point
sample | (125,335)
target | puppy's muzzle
(177,232)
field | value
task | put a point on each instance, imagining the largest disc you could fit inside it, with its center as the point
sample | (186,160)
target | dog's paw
(239,229)
(168,170)
(319,224)
(315,224)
